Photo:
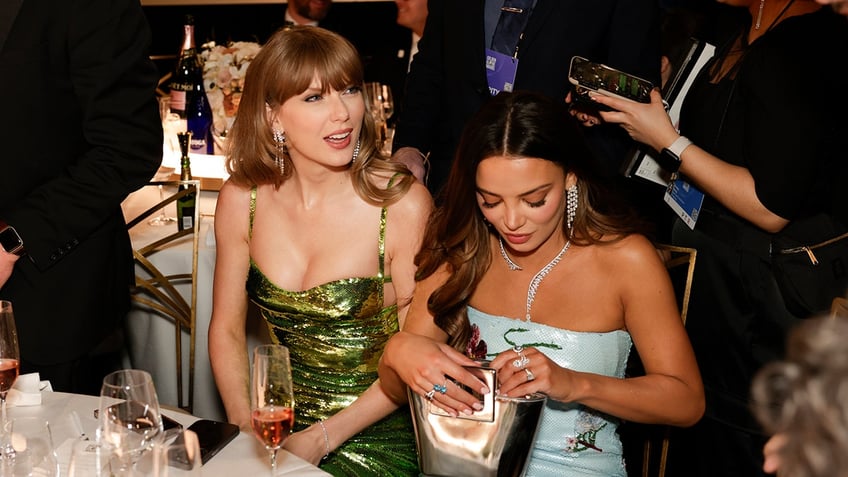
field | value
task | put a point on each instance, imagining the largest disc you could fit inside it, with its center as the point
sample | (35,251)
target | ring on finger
(430,394)
(530,375)
(441,388)
(521,362)
(518,349)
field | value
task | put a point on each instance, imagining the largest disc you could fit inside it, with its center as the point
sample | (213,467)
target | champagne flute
(9,355)
(388,101)
(129,416)
(272,398)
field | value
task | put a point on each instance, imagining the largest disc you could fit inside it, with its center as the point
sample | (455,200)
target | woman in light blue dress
(532,264)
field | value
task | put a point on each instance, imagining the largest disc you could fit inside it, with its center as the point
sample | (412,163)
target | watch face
(10,240)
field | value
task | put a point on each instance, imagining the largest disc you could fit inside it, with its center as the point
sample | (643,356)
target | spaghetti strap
(252,211)
(382,247)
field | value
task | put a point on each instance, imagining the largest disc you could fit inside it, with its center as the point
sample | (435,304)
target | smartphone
(213,436)
(587,76)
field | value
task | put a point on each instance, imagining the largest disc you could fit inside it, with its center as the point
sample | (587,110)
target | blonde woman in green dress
(319,231)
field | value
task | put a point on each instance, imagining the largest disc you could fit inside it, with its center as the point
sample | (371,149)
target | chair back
(164,294)
(839,307)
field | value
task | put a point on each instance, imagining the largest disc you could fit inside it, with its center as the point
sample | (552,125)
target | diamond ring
(521,362)
(530,375)
(430,394)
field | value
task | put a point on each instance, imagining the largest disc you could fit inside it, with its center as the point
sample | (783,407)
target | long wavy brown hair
(285,67)
(512,125)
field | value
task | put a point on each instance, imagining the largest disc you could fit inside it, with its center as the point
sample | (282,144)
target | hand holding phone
(587,76)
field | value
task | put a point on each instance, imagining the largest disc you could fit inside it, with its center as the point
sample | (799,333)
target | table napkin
(27,390)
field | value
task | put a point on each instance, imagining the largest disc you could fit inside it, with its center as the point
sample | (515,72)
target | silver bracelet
(326,439)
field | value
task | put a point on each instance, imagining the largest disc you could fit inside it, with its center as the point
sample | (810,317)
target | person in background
(448,82)
(532,263)
(320,231)
(839,6)
(801,401)
(307,12)
(412,14)
(80,131)
(768,180)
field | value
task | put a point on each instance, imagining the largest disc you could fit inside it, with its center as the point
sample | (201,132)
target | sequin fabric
(573,440)
(336,333)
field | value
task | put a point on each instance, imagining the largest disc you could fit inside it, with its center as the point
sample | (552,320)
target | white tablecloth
(244,456)
(151,337)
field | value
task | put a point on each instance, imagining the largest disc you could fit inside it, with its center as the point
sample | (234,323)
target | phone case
(213,436)
(588,76)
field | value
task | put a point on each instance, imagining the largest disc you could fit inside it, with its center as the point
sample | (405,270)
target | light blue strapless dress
(573,440)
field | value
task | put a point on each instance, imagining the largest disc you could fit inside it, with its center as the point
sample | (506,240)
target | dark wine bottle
(187,203)
(188,67)
(199,120)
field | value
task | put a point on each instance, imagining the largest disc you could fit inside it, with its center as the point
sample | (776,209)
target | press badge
(500,71)
(685,200)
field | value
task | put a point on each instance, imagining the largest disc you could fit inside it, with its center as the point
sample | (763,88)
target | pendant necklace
(537,279)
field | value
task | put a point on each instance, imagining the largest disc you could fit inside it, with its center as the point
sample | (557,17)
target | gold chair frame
(678,256)
(158,292)
(839,307)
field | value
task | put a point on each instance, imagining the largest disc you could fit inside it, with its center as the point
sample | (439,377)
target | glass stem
(273,453)
(3,408)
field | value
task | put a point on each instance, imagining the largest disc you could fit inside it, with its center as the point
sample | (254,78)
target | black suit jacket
(79,131)
(447,82)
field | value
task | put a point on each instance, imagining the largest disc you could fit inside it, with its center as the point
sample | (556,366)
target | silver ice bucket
(493,442)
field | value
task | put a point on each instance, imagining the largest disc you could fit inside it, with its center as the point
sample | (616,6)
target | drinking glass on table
(30,451)
(180,458)
(272,398)
(129,417)
(9,354)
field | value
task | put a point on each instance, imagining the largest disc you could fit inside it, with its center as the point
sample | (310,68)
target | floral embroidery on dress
(587,427)
(476,348)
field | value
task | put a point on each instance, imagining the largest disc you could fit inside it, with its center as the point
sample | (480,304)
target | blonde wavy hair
(285,67)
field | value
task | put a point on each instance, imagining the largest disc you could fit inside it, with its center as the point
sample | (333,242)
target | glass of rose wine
(9,354)
(272,398)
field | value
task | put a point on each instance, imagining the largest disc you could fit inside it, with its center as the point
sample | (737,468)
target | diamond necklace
(537,278)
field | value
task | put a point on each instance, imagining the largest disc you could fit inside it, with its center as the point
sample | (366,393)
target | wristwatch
(10,240)
(669,158)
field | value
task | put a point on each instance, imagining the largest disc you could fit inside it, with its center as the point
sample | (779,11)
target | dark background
(370,26)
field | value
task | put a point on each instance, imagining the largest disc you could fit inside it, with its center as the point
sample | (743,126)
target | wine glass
(9,354)
(163,174)
(31,451)
(129,416)
(271,398)
(388,101)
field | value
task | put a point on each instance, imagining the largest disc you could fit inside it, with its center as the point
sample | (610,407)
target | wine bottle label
(178,100)
(187,222)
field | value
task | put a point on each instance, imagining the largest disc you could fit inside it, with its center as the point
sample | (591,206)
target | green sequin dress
(336,333)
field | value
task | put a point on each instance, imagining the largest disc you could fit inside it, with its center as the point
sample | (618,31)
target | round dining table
(71,417)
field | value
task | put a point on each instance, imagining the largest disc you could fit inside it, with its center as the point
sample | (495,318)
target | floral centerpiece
(224,68)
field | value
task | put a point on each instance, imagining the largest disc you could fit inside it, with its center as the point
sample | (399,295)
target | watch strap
(679,145)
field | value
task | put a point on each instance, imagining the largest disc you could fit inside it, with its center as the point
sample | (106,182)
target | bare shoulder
(632,252)
(416,202)
(233,205)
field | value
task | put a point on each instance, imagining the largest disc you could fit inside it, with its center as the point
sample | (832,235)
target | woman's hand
(427,367)
(647,123)
(308,444)
(587,116)
(523,371)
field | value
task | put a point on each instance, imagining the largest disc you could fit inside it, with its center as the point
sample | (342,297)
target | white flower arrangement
(224,68)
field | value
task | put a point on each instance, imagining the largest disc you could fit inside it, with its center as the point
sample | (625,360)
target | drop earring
(280,157)
(570,207)
(356,151)
(759,21)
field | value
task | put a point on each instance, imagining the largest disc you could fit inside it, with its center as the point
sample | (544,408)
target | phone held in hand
(588,76)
